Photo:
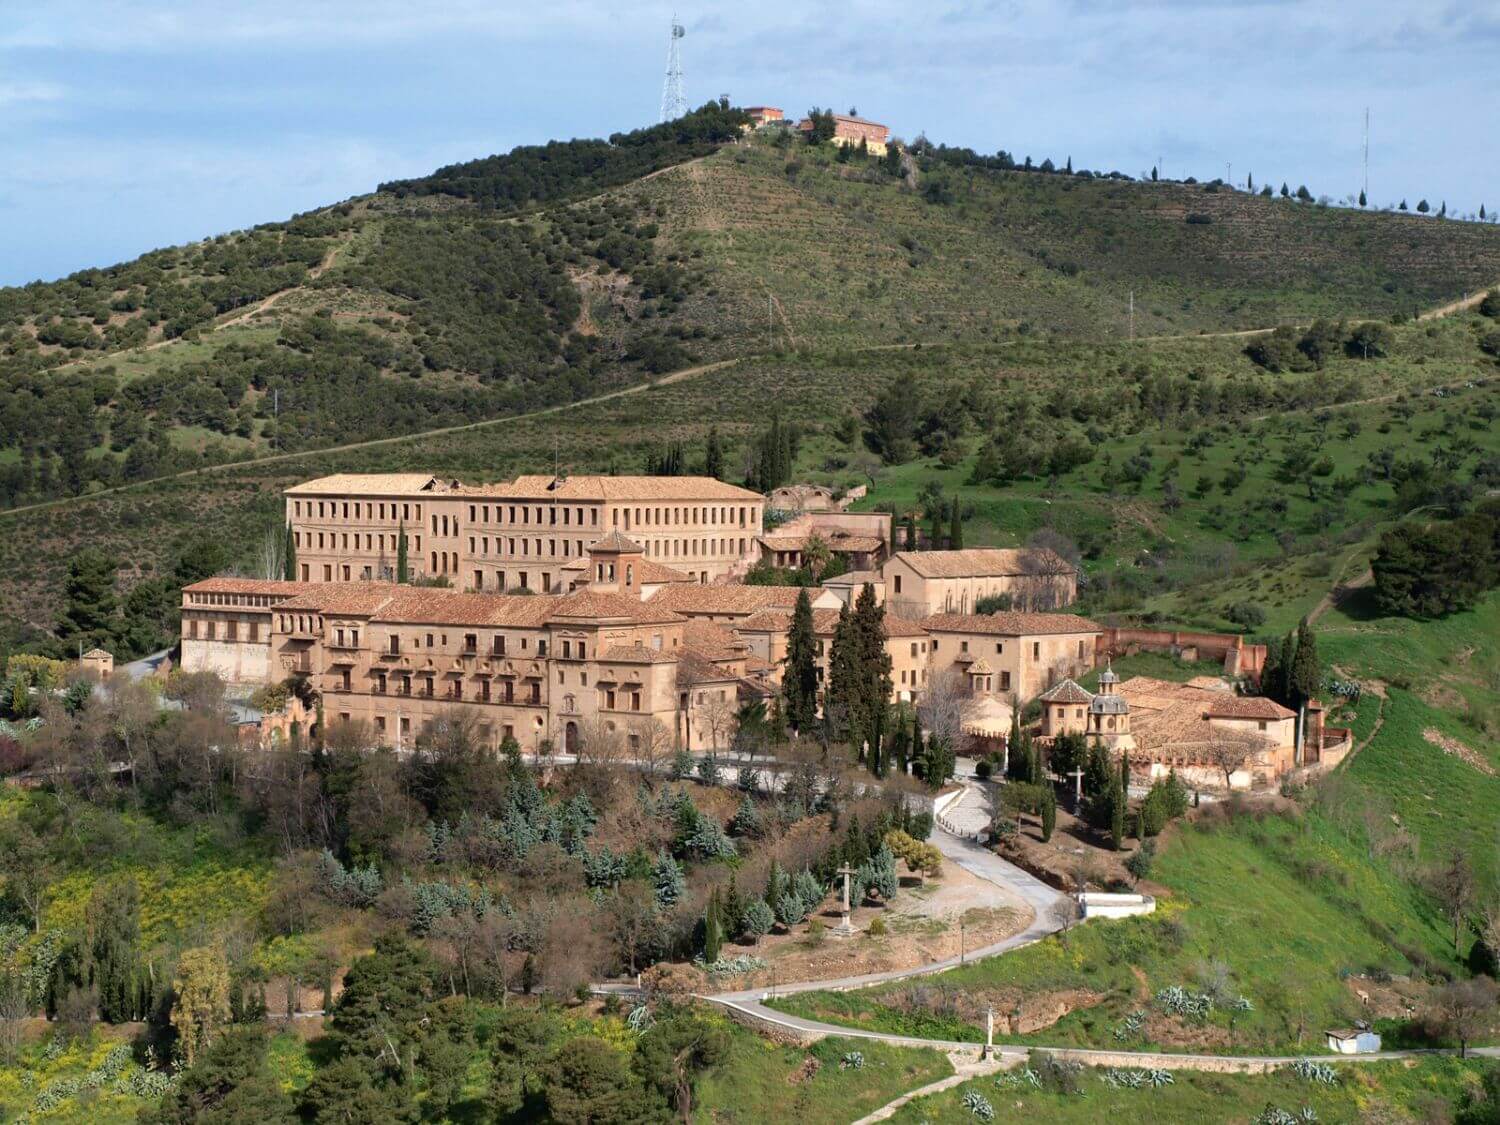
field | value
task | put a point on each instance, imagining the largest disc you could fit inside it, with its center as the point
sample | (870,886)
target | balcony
(297,665)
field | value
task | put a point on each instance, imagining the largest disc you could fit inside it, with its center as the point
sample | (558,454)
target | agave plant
(852,1060)
(979,1105)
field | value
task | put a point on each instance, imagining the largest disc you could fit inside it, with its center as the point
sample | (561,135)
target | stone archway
(570,738)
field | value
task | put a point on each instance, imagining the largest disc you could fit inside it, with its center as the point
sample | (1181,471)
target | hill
(555,272)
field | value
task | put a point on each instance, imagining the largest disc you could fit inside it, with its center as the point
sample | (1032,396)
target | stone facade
(1022,653)
(226,627)
(926,582)
(519,535)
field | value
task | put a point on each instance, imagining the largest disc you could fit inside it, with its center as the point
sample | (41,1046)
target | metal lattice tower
(673,101)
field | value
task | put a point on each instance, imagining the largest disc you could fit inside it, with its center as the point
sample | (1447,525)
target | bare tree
(1063,913)
(600,743)
(941,709)
(650,742)
(720,715)
(1454,885)
(270,558)
(1464,1009)
(1049,565)
(1229,751)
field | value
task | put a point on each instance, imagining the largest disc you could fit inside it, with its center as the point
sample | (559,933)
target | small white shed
(1353,1041)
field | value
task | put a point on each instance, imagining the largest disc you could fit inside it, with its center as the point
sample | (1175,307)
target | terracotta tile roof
(1010,624)
(1248,707)
(436,606)
(834,540)
(742,600)
(227,584)
(693,668)
(355,484)
(825,622)
(714,641)
(613,607)
(653,573)
(614,541)
(985,562)
(1065,692)
(357,599)
(1172,719)
(545,487)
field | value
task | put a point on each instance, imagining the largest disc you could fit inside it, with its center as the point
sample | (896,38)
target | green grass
(41,1066)
(754,1084)
(1380,1092)
(1286,907)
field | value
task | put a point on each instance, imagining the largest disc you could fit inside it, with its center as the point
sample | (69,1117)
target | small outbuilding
(1353,1041)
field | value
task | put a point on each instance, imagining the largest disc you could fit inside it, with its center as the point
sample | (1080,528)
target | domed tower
(1109,712)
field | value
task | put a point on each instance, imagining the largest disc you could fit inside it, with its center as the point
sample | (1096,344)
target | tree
(588,1081)
(1272,676)
(201,1004)
(231,1084)
(1306,673)
(1464,1009)
(1118,805)
(1454,885)
(892,422)
(713,455)
(343,1092)
(1431,570)
(1423,207)
(1049,813)
(89,606)
(670,1056)
(520,1043)
(1363,202)
(1229,751)
(758,921)
(378,1015)
(667,880)
(289,555)
(955,528)
(114,922)
(713,928)
(799,680)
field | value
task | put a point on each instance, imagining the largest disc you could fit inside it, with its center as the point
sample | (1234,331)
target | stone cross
(845,928)
(989,1031)
(1077,776)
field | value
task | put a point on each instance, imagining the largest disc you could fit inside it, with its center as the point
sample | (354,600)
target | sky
(127,125)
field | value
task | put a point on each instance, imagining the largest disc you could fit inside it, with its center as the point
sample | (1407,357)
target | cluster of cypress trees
(953,540)
(1292,672)
(859,680)
(775,456)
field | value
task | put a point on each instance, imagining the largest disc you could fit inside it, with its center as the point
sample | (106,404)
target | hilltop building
(517,535)
(762,115)
(850,130)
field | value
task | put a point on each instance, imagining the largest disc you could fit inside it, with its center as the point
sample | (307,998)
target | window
(395,645)
(963,646)
(1000,647)
(898,583)
(1004,681)
(1036,650)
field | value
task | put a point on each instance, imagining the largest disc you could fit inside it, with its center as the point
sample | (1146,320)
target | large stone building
(1011,654)
(906,643)
(918,583)
(851,130)
(516,535)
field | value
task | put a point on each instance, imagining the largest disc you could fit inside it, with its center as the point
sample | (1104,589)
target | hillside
(555,272)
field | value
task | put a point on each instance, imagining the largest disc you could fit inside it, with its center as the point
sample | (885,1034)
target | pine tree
(799,680)
(713,458)
(1153,173)
(1306,674)
(1285,191)
(1118,806)
(403,567)
(289,555)
(89,605)
(955,528)
(667,880)
(1363,202)
(1250,182)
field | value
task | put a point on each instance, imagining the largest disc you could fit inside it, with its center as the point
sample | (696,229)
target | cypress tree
(1288,659)
(289,555)
(1270,672)
(732,912)
(844,702)
(713,928)
(1117,817)
(874,663)
(955,529)
(896,751)
(1049,813)
(1305,673)
(403,571)
(911,533)
(935,527)
(799,680)
(713,458)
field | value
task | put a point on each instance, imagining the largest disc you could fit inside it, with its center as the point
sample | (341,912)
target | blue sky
(131,124)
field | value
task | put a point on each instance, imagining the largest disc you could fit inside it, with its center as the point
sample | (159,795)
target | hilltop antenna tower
(673,102)
(1366,189)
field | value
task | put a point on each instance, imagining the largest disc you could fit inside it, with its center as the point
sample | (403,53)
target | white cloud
(22,93)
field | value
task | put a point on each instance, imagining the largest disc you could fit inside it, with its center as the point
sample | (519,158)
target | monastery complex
(551,608)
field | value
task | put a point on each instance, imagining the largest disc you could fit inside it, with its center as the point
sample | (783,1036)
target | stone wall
(1238,657)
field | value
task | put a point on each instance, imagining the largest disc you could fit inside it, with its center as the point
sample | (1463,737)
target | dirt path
(1338,593)
(964,1068)
(1467,301)
(270,302)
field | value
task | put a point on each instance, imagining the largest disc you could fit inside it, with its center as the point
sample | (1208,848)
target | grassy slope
(1285,905)
(1378,1093)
